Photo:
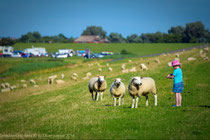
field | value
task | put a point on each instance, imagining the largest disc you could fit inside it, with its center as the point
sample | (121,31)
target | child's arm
(170,76)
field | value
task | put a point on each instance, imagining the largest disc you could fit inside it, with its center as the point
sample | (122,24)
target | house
(90,39)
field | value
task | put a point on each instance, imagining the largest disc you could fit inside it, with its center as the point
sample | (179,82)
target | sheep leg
(96,96)
(101,95)
(119,101)
(147,100)
(122,100)
(114,101)
(92,96)
(137,99)
(133,102)
(155,96)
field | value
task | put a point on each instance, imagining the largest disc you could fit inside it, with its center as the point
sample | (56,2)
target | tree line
(194,32)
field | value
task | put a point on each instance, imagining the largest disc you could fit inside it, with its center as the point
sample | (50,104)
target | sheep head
(117,82)
(137,81)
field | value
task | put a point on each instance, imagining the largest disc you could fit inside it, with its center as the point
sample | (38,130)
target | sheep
(177,55)
(7,85)
(13,87)
(62,76)
(6,90)
(139,86)
(88,74)
(157,60)
(90,64)
(22,81)
(191,59)
(32,81)
(73,78)
(97,84)
(143,66)
(24,85)
(130,61)
(99,69)
(75,75)
(132,69)
(3,85)
(36,86)
(202,54)
(60,82)
(51,79)
(117,90)
(125,71)
(107,64)
(123,67)
(206,58)
(109,69)
(206,49)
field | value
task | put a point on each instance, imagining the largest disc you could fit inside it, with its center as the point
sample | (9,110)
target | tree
(7,42)
(116,38)
(94,30)
(194,31)
(177,30)
(134,39)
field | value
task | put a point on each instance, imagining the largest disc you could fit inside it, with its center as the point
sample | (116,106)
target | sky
(71,17)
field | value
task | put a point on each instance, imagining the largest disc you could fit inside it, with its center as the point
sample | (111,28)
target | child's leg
(179,99)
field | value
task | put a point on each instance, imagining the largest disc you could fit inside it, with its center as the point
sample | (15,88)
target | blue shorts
(178,87)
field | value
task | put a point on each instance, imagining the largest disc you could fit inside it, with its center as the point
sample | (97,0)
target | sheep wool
(117,90)
(97,84)
(139,86)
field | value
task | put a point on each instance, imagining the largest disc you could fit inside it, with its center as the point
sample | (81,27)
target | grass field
(66,111)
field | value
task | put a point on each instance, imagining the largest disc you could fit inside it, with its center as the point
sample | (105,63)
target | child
(178,82)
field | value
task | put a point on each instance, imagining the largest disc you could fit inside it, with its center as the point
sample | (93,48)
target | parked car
(61,56)
(25,55)
(16,55)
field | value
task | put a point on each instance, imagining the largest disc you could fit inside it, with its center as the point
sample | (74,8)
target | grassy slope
(67,111)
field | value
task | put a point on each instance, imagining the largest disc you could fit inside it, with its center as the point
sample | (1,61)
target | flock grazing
(137,87)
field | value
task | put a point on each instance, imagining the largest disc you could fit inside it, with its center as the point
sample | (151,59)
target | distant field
(136,49)
(66,111)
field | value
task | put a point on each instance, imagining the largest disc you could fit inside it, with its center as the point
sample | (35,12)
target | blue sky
(71,17)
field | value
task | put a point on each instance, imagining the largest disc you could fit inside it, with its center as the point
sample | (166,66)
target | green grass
(67,111)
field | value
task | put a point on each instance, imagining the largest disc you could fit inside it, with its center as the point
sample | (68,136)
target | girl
(178,81)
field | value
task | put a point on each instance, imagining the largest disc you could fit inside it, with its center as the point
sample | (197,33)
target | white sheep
(62,76)
(143,67)
(24,85)
(22,81)
(133,69)
(107,64)
(139,86)
(191,59)
(75,75)
(60,82)
(3,85)
(157,60)
(117,90)
(206,49)
(6,90)
(51,79)
(7,85)
(177,55)
(88,74)
(125,71)
(123,67)
(99,69)
(32,81)
(73,78)
(97,84)
(206,58)
(109,69)
(130,61)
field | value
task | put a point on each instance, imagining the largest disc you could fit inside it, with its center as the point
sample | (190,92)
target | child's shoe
(174,105)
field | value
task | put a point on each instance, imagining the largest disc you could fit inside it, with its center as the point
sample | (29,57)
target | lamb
(109,69)
(7,85)
(139,86)
(117,90)
(32,81)
(143,66)
(97,84)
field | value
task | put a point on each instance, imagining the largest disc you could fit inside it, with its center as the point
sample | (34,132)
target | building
(90,39)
